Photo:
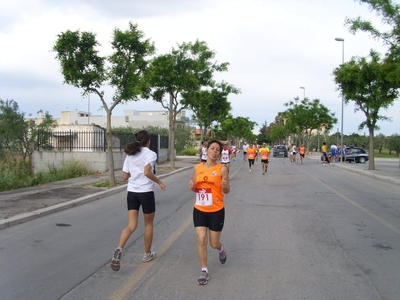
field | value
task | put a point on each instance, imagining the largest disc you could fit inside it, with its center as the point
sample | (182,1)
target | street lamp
(304,97)
(341,130)
(304,92)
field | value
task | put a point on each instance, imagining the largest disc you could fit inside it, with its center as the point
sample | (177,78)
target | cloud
(273,48)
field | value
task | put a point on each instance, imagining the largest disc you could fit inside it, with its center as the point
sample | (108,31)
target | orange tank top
(264,153)
(251,153)
(209,196)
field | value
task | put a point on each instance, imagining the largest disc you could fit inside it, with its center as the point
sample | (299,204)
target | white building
(131,118)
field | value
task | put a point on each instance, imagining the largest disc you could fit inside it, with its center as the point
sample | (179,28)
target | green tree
(393,143)
(238,128)
(305,116)
(390,15)
(277,130)
(83,68)
(19,135)
(379,142)
(357,140)
(14,131)
(263,135)
(184,138)
(209,105)
(183,71)
(366,83)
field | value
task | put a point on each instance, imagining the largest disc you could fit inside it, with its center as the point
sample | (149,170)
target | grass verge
(18,175)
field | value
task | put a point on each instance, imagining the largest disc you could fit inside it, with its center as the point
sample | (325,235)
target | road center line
(363,209)
(132,280)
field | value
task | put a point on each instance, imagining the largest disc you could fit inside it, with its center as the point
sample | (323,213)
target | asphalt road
(298,232)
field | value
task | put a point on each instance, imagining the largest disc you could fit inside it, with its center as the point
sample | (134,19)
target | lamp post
(341,126)
(304,97)
(304,92)
(88,116)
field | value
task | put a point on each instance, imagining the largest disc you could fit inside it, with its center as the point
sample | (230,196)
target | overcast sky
(274,47)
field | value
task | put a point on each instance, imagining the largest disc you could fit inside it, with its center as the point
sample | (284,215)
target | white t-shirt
(245,147)
(204,153)
(134,164)
(225,157)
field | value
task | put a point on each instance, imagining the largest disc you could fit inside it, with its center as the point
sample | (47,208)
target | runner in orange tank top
(264,153)
(302,152)
(251,155)
(210,182)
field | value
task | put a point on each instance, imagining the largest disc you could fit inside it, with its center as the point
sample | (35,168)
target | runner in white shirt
(233,152)
(203,151)
(245,146)
(226,156)
(293,153)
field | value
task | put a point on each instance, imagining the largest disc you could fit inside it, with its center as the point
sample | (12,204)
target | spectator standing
(324,150)
(334,153)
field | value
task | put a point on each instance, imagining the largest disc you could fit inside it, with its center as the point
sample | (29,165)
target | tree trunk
(110,157)
(201,134)
(371,150)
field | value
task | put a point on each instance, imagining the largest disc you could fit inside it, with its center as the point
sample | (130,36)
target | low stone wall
(97,161)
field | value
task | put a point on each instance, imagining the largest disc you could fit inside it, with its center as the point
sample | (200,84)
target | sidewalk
(386,169)
(18,206)
(21,205)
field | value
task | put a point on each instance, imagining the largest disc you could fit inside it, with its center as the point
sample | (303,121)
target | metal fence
(90,141)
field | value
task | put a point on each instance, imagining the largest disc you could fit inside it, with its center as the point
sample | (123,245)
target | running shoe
(149,256)
(250,171)
(115,264)
(203,279)
(263,173)
(222,257)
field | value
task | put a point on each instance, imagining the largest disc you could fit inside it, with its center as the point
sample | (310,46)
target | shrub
(19,175)
(189,152)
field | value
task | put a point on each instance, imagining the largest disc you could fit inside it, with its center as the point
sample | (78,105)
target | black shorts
(302,155)
(212,220)
(265,161)
(146,200)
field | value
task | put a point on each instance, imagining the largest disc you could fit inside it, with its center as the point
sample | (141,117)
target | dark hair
(141,139)
(218,142)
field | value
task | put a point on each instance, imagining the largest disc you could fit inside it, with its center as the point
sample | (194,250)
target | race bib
(204,197)
(264,156)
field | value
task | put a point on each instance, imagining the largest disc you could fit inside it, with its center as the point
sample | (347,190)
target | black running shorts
(212,220)
(146,200)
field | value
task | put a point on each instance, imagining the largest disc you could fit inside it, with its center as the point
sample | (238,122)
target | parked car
(353,154)
(356,154)
(280,151)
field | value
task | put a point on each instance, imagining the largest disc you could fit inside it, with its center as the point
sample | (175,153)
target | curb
(365,173)
(22,218)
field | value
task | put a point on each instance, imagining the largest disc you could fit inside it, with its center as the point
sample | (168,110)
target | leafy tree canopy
(83,68)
